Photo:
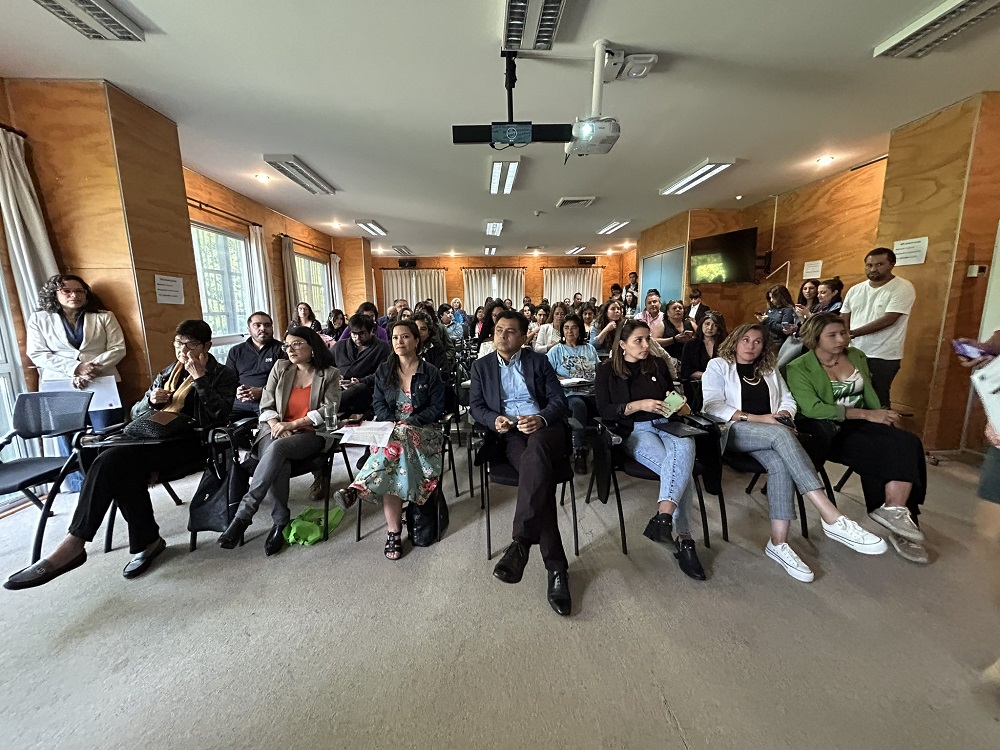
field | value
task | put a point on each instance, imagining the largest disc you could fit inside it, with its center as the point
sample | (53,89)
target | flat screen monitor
(727,258)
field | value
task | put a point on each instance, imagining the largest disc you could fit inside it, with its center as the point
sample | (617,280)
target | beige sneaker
(320,489)
(899,521)
(991,674)
(908,550)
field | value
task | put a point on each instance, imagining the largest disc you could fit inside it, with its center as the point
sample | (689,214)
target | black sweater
(613,393)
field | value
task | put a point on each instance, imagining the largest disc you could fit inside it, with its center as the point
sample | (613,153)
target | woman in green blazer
(832,386)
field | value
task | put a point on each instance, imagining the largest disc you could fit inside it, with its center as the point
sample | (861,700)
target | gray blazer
(274,399)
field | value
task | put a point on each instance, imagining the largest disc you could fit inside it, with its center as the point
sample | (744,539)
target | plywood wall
(356,275)
(5,118)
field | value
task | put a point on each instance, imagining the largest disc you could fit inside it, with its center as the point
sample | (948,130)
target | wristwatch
(744,417)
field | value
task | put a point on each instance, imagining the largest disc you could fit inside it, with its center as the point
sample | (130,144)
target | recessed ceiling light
(613,227)
(372,227)
(576,250)
(825,160)
(494,227)
(739,197)
(503,172)
(452,253)
(628,244)
(262,178)
(609,251)
(536,252)
(300,173)
(489,251)
(697,175)
(336,224)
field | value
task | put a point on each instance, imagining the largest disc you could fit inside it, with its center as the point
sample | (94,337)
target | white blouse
(547,335)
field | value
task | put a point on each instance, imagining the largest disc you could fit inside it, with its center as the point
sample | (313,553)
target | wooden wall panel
(356,272)
(5,114)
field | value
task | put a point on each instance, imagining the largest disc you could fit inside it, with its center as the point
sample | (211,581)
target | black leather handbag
(160,425)
(426,523)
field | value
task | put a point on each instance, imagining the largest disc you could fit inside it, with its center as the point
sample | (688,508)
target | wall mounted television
(727,258)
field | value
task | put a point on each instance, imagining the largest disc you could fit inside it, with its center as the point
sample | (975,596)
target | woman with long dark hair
(549,334)
(697,352)
(304,316)
(677,328)
(409,392)
(538,318)
(829,293)
(300,392)
(630,389)
(631,302)
(607,326)
(336,324)
(490,316)
(479,322)
(779,319)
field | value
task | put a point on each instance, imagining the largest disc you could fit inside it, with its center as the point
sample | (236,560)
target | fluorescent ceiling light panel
(489,251)
(372,227)
(98,20)
(576,250)
(613,227)
(503,172)
(300,173)
(531,24)
(697,175)
(508,184)
(402,250)
(494,227)
(946,21)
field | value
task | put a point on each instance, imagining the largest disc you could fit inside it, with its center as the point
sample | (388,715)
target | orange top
(298,404)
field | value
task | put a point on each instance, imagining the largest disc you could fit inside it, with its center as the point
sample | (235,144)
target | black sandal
(393,545)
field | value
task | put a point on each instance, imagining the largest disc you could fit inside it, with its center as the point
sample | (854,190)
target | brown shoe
(320,489)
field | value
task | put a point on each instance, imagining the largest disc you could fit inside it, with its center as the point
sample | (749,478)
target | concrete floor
(336,647)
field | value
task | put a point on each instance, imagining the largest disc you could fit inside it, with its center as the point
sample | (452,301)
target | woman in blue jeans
(630,389)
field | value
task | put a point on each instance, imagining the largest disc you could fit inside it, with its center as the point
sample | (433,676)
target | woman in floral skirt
(409,392)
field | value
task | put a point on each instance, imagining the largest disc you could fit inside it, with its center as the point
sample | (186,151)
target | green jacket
(813,392)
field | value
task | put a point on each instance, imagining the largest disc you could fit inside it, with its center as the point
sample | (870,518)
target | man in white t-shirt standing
(876,313)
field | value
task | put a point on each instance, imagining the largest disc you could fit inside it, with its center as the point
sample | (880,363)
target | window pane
(312,284)
(223,279)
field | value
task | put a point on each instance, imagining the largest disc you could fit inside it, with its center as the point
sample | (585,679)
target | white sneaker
(908,550)
(785,557)
(991,674)
(899,521)
(848,533)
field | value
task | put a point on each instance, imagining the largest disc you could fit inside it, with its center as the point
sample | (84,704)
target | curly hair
(766,360)
(48,300)
(581,334)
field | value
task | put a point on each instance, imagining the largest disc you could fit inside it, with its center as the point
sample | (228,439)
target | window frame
(327,293)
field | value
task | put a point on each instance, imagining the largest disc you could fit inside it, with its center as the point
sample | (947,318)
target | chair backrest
(50,413)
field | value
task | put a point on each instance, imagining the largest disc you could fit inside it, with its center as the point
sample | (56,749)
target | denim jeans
(673,459)
(98,420)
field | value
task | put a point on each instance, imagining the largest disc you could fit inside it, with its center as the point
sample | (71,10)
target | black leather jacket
(426,392)
(209,402)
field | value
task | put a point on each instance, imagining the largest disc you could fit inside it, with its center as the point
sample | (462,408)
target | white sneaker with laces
(785,557)
(899,521)
(850,534)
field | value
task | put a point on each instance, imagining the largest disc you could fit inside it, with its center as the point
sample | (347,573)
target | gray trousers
(274,470)
(783,457)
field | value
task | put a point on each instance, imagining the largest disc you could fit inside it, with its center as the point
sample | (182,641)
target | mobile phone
(963,349)
(355,419)
(674,402)
(787,421)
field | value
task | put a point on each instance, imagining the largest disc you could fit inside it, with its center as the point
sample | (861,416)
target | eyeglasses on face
(70,292)
(189,345)
(294,345)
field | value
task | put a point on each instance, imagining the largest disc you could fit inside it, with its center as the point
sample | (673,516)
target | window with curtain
(414,285)
(563,283)
(223,264)
(499,283)
(312,281)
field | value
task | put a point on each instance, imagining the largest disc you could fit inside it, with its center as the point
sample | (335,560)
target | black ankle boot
(233,535)
(687,558)
(275,541)
(660,528)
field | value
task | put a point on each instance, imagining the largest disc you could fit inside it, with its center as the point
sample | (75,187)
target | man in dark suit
(517,395)
(696,310)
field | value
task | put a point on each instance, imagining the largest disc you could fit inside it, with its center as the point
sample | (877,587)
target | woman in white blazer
(742,386)
(73,338)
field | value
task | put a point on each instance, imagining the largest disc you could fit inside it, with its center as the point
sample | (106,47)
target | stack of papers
(367,433)
(573,382)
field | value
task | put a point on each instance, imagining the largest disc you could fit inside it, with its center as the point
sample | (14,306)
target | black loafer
(42,572)
(511,565)
(687,558)
(558,594)
(141,562)
(232,537)
(660,528)
(275,541)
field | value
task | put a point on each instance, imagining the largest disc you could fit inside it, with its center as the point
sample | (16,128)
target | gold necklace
(751,381)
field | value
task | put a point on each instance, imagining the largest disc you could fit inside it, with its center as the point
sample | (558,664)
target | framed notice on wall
(169,290)
(910,252)
(812,269)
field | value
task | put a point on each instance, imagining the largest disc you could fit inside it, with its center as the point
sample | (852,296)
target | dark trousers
(536,520)
(358,399)
(122,474)
(99,420)
(883,373)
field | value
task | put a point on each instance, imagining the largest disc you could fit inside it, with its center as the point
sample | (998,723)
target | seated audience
(452,326)
(528,311)
(459,314)
(479,321)
(195,387)
(588,313)
(516,395)
(430,346)
(631,388)
(304,316)
(409,392)
(696,354)
(391,314)
(605,332)
(405,314)
(808,300)
(616,292)
(369,310)
(336,324)
(573,357)
(631,301)
(677,329)
(829,293)
(539,317)
(508,303)
(833,388)
(779,320)
(252,361)
(493,311)
(357,358)
(548,334)
(299,392)
(696,309)
(742,386)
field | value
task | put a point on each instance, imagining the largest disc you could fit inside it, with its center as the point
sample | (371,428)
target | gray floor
(336,647)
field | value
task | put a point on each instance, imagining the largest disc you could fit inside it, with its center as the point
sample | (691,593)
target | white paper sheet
(571,382)
(986,381)
(368,433)
(104,388)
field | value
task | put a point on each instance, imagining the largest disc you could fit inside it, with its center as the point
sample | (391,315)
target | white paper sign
(169,290)
(910,252)
(812,269)
(104,388)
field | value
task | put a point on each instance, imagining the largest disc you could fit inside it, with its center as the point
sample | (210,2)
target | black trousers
(358,399)
(883,373)
(536,520)
(122,474)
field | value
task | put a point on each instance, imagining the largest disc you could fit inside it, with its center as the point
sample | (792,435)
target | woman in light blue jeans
(630,389)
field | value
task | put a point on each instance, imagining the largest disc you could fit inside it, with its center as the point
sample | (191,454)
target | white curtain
(478,286)
(414,285)
(336,288)
(563,283)
(261,287)
(31,256)
(510,285)
(396,285)
(291,288)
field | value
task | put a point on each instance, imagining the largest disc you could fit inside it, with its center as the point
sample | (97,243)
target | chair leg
(802,516)
(576,528)
(347,463)
(326,516)
(454,471)
(704,515)
(562,496)
(34,499)
(472,484)
(722,513)
(590,488)
(621,513)
(486,499)
(843,480)
(36,551)
(109,535)
(194,541)
(826,484)
(357,533)
(173,495)
(753,483)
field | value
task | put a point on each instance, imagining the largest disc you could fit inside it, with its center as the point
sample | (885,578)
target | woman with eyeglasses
(300,392)
(304,316)
(194,388)
(73,338)
(409,392)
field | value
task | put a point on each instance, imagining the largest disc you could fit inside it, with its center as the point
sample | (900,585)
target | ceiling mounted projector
(593,136)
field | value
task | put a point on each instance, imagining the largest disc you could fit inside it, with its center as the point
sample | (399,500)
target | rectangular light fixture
(703,171)
(576,250)
(402,250)
(946,21)
(494,227)
(531,24)
(372,227)
(489,251)
(613,227)
(503,172)
(98,20)
(300,173)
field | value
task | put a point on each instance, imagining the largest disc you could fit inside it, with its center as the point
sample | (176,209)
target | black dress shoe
(660,528)
(141,562)
(687,558)
(511,565)
(275,541)
(559,597)
(42,572)
(233,534)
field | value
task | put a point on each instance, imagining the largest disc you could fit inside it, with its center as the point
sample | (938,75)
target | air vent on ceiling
(581,202)
(402,250)
(949,19)
(98,20)
(300,173)
(532,248)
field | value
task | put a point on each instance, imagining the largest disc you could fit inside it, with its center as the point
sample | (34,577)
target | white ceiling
(366,93)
